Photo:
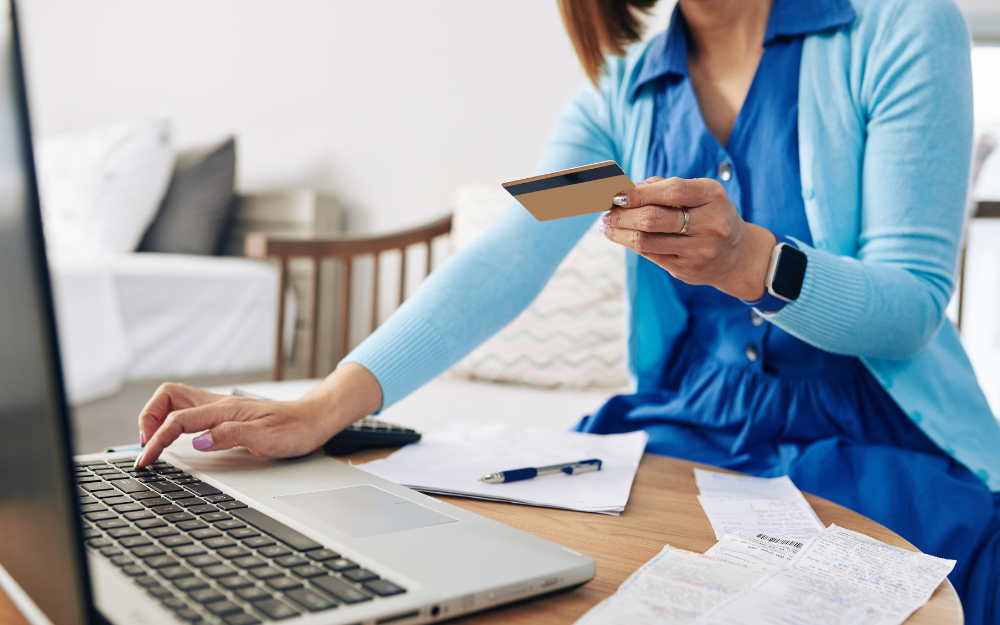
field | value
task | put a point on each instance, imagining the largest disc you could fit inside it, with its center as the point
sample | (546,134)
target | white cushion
(100,189)
(571,336)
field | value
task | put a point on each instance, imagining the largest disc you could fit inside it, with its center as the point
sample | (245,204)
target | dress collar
(667,52)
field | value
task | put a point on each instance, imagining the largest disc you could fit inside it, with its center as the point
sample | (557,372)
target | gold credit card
(570,192)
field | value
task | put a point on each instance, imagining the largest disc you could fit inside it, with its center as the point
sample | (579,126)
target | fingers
(672,192)
(168,398)
(188,420)
(645,243)
(647,218)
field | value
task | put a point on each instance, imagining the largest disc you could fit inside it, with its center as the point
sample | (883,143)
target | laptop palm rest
(362,511)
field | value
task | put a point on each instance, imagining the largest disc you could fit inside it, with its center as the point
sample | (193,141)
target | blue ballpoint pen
(569,468)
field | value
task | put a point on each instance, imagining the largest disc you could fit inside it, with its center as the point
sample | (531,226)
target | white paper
(713,483)
(676,586)
(450,459)
(758,550)
(774,517)
(839,578)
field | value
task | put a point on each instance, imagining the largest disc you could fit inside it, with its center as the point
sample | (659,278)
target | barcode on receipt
(779,541)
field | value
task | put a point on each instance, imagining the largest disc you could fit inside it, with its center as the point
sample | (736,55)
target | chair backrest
(343,249)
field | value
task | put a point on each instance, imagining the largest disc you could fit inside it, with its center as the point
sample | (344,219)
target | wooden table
(662,509)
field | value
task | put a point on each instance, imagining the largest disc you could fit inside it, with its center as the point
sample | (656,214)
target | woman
(840,129)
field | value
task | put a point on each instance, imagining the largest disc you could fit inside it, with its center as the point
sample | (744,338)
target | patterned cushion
(571,335)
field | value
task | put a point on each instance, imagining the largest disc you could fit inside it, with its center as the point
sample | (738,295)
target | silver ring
(687,222)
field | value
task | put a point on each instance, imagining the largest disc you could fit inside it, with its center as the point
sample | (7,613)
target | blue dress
(740,393)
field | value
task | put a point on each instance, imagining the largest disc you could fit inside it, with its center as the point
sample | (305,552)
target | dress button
(756,319)
(725,171)
(752,353)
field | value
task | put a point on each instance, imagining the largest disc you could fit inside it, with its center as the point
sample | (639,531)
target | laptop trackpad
(364,510)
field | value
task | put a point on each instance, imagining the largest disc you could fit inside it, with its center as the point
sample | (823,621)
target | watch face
(789,273)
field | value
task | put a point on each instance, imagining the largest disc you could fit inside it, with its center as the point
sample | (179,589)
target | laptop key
(207,595)
(161,562)
(188,550)
(219,542)
(228,524)
(241,619)
(173,541)
(311,600)
(105,494)
(123,532)
(174,603)
(189,615)
(163,487)
(360,575)
(112,523)
(89,533)
(234,582)
(96,542)
(175,572)
(133,570)
(384,588)
(275,609)
(219,570)
(294,539)
(177,517)
(311,570)
(124,506)
(274,551)
(152,502)
(191,524)
(204,533)
(340,564)
(290,561)
(187,584)
(321,555)
(216,517)
(218,498)
(96,486)
(340,589)
(162,532)
(142,495)
(150,523)
(86,499)
(139,515)
(185,480)
(101,515)
(203,560)
(244,532)
(180,495)
(189,501)
(233,552)
(231,505)
(165,510)
(116,476)
(222,608)
(284,583)
(122,561)
(256,542)
(135,541)
(265,572)
(202,489)
(253,593)
(160,592)
(249,562)
(110,552)
(148,552)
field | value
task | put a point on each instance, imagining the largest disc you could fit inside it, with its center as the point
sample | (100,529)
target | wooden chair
(283,248)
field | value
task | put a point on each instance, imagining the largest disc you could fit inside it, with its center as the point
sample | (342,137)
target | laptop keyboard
(208,557)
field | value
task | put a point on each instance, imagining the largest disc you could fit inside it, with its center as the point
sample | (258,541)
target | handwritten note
(676,586)
(840,578)
(752,505)
(760,550)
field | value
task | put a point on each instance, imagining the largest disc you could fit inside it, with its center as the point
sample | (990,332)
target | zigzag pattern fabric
(571,337)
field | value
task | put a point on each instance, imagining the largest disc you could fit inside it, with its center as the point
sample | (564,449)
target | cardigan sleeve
(486,285)
(916,98)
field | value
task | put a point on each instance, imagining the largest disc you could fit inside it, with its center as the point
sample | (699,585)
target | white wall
(389,105)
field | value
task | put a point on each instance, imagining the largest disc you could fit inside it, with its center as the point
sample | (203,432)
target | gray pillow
(197,208)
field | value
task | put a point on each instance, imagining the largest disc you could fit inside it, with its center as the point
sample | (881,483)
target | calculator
(368,433)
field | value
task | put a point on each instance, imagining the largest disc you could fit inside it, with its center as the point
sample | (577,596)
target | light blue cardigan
(885,132)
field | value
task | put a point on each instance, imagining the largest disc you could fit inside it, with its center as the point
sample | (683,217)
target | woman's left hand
(718,248)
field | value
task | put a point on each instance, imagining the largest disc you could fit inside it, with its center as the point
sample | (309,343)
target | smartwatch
(785,272)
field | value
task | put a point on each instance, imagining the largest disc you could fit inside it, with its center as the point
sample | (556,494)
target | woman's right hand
(270,429)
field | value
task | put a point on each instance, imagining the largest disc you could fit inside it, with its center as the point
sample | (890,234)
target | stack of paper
(450,459)
(752,505)
(839,577)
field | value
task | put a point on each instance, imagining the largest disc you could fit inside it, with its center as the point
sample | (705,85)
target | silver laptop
(210,538)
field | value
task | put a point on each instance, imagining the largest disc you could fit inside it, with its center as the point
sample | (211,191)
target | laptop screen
(40,554)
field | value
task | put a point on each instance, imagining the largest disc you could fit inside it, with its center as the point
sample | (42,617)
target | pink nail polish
(640,184)
(142,439)
(603,228)
(203,441)
(606,218)
(138,459)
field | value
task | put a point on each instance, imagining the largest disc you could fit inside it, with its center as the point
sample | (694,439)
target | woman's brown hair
(599,27)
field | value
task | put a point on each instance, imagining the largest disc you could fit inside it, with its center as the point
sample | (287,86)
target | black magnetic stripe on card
(565,180)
